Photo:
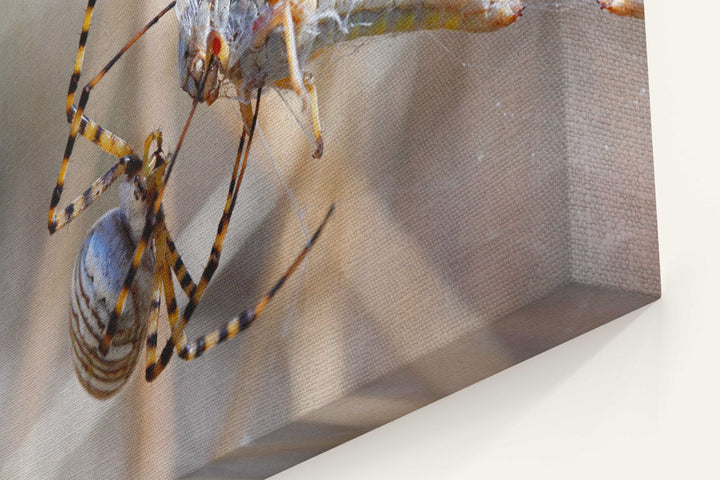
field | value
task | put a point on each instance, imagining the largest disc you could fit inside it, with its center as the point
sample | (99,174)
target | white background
(637,398)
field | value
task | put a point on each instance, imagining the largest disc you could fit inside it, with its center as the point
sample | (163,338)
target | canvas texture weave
(453,160)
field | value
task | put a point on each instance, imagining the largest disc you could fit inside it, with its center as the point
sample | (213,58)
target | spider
(107,335)
(100,287)
(214,50)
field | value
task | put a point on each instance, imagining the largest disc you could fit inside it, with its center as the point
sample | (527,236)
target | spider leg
(158,281)
(152,371)
(162,281)
(178,266)
(75,77)
(145,240)
(152,221)
(247,317)
(79,122)
(129,164)
(171,303)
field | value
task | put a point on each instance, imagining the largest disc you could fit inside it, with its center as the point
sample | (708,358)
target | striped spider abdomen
(96,283)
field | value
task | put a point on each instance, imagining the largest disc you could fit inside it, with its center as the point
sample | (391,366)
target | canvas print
(364,205)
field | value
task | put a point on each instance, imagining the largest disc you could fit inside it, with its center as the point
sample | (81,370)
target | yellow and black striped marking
(75,77)
(86,127)
(196,292)
(247,317)
(129,165)
(162,283)
(107,243)
(179,268)
(112,309)
(98,315)
(96,284)
(101,287)
(158,182)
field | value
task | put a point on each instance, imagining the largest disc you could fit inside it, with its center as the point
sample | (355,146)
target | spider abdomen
(97,279)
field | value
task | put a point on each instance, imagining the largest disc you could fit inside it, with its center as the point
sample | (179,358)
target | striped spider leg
(152,233)
(109,305)
(80,124)
(97,279)
(121,233)
(128,163)
(195,293)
